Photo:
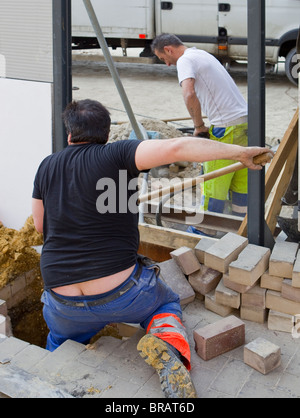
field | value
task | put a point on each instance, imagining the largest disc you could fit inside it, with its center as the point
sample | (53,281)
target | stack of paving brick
(233,276)
(282,282)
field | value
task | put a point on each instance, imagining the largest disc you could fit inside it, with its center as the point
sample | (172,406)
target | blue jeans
(149,296)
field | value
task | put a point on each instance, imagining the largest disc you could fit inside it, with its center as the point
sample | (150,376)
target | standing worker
(207,87)
(85,204)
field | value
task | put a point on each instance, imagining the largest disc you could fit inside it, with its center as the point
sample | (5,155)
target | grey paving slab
(112,368)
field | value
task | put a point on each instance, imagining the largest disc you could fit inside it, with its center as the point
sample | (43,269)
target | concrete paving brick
(29,357)
(289,384)
(262,355)
(235,372)
(296,272)
(186,260)
(204,280)
(267,281)
(237,287)
(282,259)
(202,378)
(50,366)
(87,383)
(203,245)
(3,307)
(2,324)
(212,305)
(276,302)
(226,296)
(106,345)
(290,292)
(259,391)
(173,276)
(219,338)
(254,314)
(150,390)
(251,263)
(5,293)
(224,251)
(254,297)
(10,347)
(134,371)
(17,383)
(128,348)
(278,321)
(123,387)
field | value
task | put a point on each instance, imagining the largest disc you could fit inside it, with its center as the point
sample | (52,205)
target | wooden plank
(276,166)
(274,207)
(167,238)
(211,220)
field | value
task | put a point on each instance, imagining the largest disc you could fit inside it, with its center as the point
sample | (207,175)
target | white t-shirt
(220,98)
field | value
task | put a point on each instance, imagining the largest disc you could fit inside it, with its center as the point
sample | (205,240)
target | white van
(218,28)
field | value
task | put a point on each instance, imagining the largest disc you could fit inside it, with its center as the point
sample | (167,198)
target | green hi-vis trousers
(232,187)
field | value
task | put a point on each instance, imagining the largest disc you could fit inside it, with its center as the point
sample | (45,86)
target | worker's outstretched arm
(153,153)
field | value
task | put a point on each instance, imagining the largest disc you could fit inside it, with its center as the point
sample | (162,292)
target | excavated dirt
(16,258)
(16,253)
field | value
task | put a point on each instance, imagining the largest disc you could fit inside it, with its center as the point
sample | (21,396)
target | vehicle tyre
(292,66)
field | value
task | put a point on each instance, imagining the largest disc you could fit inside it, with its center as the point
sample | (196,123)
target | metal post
(298,69)
(62,68)
(258,231)
(138,129)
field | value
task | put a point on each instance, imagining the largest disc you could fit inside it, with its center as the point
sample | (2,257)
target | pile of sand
(16,253)
(122,131)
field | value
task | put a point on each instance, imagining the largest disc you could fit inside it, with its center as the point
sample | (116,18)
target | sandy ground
(153,92)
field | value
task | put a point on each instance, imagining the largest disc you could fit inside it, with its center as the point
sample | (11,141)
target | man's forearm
(194,109)
(192,102)
(154,153)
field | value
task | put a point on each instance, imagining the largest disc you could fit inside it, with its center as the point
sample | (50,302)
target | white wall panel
(25,139)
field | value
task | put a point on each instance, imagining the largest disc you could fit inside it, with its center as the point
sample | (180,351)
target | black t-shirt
(90,230)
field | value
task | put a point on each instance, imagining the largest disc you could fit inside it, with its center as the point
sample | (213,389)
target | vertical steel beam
(298,71)
(138,129)
(258,231)
(62,68)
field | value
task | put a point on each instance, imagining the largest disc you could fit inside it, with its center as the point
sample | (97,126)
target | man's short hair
(87,121)
(163,40)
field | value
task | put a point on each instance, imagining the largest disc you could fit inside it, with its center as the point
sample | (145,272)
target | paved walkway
(112,368)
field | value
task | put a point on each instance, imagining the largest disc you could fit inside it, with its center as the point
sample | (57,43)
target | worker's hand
(202,132)
(249,155)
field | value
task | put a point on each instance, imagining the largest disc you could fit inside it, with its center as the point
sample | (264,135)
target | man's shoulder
(194,55)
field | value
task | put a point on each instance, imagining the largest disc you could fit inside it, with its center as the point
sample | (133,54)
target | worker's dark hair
(163,40)
(87,121)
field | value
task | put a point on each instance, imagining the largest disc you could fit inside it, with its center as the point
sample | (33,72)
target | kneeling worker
(85,203)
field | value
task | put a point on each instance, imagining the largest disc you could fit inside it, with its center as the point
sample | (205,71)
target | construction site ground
(153,91)
(111,368)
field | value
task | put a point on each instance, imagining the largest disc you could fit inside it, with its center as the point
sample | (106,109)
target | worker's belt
(141,262)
